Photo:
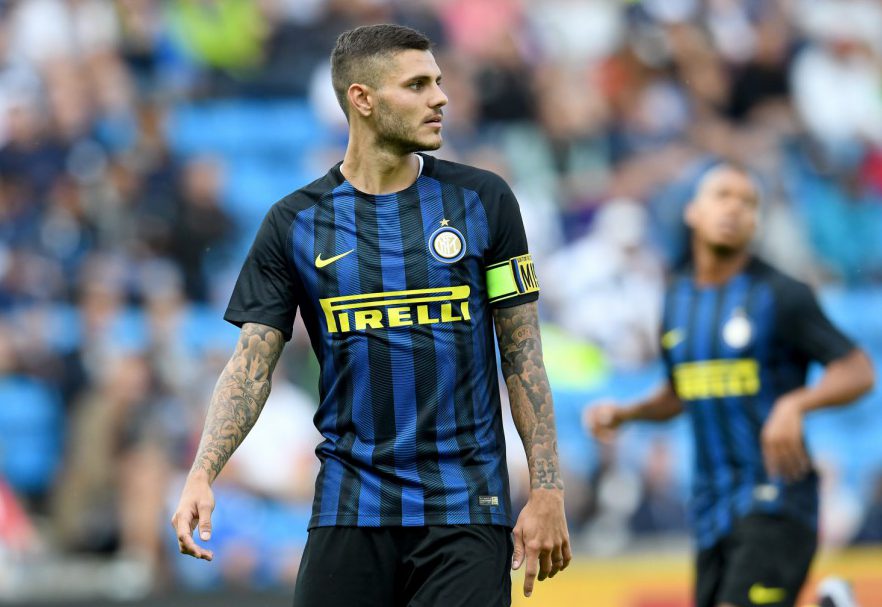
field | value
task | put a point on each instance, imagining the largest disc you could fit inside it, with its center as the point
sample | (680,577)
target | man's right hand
(602,420)
(195,508)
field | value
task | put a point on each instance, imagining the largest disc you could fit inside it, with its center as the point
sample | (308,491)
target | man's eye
(416,85)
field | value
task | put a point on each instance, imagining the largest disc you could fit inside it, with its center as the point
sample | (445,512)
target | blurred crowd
(122,229)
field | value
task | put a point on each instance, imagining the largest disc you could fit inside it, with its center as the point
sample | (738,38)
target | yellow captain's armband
(511,278)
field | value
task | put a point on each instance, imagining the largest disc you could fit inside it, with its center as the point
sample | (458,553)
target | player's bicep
(510,273)
(512,282)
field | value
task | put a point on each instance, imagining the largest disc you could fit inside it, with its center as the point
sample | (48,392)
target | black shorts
(764,561)
(454,566)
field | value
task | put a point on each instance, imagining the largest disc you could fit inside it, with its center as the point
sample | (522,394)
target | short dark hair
(356,54)
(729,165)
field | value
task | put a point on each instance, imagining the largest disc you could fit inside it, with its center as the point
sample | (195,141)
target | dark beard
(394,135)
(398,145)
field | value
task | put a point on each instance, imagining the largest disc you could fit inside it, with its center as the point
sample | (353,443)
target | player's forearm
(844,380)
(529,393)
(661,406)
(238,398)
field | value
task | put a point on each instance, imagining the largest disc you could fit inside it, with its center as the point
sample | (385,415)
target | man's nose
(439,99)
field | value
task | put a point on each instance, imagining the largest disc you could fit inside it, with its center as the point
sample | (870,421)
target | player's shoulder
(762,270)
(783,285)
(306,197)
(464,175)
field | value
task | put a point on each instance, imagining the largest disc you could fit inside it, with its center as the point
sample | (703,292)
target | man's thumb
(204,523)
(518,556)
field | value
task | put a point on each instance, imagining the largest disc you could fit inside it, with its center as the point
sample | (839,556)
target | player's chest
(377,266)
(348,258)
(716,340)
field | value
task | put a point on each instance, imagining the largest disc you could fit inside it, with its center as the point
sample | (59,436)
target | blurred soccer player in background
(737,340)
(401,265)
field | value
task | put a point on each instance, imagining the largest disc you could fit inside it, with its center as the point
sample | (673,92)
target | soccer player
(737,340)
(401,265)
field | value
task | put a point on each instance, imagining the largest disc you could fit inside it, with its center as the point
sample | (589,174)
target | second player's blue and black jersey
(731,351)
(396,292)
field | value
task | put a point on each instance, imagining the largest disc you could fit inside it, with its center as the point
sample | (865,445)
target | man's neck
(716,268)
(376,171)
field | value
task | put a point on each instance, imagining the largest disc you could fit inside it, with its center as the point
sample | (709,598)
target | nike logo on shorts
(763,595)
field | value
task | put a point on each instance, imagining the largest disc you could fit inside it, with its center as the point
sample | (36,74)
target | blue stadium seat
(31,434)
(241,127)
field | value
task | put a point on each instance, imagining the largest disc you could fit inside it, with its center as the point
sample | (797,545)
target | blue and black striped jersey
(396,292)
(731,351)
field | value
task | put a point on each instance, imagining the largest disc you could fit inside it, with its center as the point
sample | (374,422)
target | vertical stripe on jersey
(379,360)
(303,252)
(448,443)
(482,479)
(396,371)
(425,357)
(719,414)
(345,275)
(478,235)
(761,311)
(485,383)
(743,435)
(703,341)
(351,279)
(753,405)
(328,486)
(302,245)
(704,492)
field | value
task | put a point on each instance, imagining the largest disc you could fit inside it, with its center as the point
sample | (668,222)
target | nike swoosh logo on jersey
(763,595)
(672,339)
(321,263)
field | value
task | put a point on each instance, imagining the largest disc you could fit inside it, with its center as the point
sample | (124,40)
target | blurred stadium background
(141,143)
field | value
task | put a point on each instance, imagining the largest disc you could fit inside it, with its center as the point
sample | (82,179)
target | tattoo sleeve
(238,397)
(520,346)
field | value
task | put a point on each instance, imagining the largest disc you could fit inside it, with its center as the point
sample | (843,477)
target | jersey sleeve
(265,290)
(511,276)
(808,329)
(668,338)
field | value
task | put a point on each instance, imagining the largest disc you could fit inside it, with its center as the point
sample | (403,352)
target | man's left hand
(541,539)
(782,441)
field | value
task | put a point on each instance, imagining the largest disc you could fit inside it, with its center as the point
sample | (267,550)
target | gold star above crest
(444,222)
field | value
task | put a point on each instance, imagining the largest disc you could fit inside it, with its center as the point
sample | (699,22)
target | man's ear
(361,99)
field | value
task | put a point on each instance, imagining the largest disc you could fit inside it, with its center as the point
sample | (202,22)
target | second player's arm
(602,419)
(662,405)
(238,398)
(541,532)
(844,380)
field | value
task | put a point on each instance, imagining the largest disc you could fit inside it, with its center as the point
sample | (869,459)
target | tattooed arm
(236,403)
(541,531)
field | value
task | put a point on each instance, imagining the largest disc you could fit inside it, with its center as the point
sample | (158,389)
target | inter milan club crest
(446,243)
(737,331)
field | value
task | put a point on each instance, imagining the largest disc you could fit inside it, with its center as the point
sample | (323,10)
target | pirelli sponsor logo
(717,378)
(396,309)
(511,278)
